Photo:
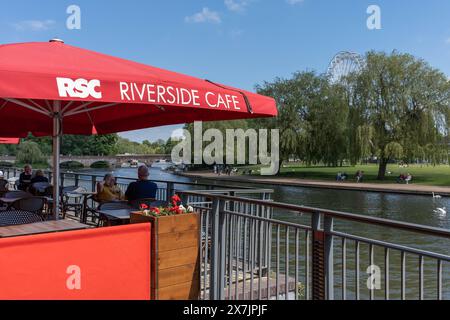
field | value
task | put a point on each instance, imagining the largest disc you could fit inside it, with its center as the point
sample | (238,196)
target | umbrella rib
(67,106)
(78,111)
(38,105)
(25,105)
(3,105)
(80,107)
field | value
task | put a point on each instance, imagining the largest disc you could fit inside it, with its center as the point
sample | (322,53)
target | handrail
(134,179)
(331,213)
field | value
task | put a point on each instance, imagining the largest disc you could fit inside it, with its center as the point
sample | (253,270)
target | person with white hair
(2,175)
(143,188)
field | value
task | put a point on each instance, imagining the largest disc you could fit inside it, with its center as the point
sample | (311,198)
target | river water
(406,208)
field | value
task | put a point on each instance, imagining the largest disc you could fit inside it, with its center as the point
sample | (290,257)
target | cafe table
(118,216)
(41,227)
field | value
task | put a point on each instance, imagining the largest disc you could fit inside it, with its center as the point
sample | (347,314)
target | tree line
(36,150)
(395,109)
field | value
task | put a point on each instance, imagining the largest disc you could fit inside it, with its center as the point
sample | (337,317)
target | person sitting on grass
(107,190)
(143,188)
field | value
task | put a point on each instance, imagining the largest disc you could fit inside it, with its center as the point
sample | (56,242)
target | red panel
(9,140)
(108,263)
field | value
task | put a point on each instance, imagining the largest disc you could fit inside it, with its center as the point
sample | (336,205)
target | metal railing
(247,252)
(166,189)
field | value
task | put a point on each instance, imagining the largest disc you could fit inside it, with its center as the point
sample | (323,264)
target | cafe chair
(39,188)
(17,194)
(71,201)
(3,187)
(33,204)
(16,217)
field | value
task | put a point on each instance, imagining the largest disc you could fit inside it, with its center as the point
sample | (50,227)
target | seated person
(3,184)
(401,178)
(39,177)
(107,190)
(143,188)
(408,178)
(25,178)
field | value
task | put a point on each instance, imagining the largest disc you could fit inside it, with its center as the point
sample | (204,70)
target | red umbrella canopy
(90,90)
(9,140)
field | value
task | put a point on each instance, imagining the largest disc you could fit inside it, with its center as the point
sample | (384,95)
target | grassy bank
(426,175)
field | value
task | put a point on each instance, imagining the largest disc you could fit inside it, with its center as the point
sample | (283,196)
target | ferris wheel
(343,64)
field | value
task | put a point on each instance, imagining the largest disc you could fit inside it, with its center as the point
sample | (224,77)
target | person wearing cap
(143,188)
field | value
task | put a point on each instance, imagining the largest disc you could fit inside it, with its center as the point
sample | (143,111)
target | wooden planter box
(175,255)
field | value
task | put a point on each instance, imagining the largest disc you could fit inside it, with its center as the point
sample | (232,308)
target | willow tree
(400,107)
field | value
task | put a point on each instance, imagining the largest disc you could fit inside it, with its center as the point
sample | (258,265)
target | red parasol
(48,88)
(9,140)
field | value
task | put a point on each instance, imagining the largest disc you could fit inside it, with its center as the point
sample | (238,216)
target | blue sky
(236,42)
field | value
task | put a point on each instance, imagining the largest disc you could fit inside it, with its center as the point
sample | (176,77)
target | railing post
(217,266)
(170,190)
(318,256)
(93,183)
(329,261)
(77,179)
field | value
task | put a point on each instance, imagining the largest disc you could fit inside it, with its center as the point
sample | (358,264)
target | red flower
(155,210)
(175,209)
(143,206)
(175,200)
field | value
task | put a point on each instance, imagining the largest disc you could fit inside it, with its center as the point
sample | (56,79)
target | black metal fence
(248,253)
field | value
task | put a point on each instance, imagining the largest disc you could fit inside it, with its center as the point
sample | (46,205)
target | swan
(440,210)
(436,196)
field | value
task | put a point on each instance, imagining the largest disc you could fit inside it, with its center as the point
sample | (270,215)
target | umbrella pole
(56,153)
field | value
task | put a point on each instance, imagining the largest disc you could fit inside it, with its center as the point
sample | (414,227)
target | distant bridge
(114,161)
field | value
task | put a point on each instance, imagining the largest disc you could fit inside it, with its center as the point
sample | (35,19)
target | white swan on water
(436,196)
(440,210)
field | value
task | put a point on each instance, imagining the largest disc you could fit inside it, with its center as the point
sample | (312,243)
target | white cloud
(205,15)
(33,25)
(236,5)
(236,33)
(293,2)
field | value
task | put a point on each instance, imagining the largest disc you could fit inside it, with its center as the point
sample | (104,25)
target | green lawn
(426,175)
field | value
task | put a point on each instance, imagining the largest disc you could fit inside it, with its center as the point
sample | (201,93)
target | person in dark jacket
(39,177)
(25,178)
(143,188)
